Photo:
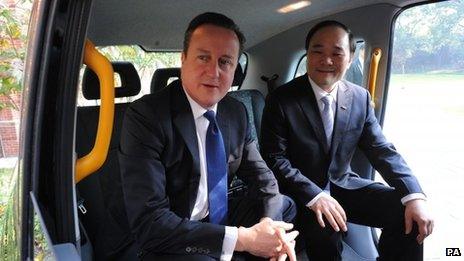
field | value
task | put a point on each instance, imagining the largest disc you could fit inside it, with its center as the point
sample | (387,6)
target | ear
(183,57)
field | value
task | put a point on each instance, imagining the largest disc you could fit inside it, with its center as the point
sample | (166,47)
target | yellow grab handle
(104,70)
(375,59)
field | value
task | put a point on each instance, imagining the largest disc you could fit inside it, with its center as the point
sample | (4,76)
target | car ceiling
(160,24)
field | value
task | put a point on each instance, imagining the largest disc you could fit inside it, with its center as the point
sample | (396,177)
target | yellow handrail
(373,70)
(97,156)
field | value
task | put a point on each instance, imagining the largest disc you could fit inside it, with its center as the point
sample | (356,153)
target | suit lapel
(342,116)
(308,103)
(185,125)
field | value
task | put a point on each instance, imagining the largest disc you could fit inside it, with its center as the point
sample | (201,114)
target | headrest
(130,81)
(161,77)
(239,76)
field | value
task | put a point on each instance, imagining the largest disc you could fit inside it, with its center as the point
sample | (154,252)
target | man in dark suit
(310,130)
(181,148)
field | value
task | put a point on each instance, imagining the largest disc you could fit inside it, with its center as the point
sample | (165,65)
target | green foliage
(5,182)
(144,62)
(428,37)
(9,244)
(13,27)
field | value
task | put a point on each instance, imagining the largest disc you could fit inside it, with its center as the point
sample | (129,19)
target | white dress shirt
(200,209)
(319,93)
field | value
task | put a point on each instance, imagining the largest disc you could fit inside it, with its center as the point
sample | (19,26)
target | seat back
(254,104)
(161,78)
(106,220)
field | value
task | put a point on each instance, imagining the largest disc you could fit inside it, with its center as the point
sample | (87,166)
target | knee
(288,209)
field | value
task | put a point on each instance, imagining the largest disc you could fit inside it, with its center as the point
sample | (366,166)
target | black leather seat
(161,78)
(106,220)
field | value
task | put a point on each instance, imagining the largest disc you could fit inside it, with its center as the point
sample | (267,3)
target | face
(209,65)
(328,56)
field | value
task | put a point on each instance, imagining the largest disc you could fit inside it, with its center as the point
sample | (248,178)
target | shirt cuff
(311,203)
(228,245)
(412,196)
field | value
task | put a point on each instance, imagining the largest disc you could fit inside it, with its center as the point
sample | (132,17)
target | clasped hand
(268,239)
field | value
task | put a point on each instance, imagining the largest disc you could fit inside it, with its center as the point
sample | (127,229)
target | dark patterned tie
(217,171)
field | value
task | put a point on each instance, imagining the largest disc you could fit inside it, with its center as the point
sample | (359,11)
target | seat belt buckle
(81,207)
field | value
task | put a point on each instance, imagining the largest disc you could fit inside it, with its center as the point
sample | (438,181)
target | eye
(225,62)
(203,58)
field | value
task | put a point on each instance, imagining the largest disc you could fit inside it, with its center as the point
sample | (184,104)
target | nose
(326,59)
(213,69)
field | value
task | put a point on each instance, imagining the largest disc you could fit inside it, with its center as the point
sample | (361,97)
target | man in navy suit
(311,128)
(165,154)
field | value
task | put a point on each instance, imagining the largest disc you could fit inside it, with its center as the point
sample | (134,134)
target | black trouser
(242,211)
(375,205)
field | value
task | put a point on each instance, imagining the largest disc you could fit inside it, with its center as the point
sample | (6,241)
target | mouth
(325,70)
(209,85)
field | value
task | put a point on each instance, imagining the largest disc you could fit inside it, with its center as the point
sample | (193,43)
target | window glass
(243,62)
(425,111)
(42,243)
(144,62)
(14,17)
(301,68)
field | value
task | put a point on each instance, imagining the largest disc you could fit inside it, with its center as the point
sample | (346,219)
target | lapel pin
(343,107)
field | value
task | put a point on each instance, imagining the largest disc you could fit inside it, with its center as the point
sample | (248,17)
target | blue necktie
(327,116)
(217,171)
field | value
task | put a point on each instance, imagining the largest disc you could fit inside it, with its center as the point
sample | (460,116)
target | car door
(43,223)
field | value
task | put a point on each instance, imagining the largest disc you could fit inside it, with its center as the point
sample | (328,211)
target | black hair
(331,23)
(213,19)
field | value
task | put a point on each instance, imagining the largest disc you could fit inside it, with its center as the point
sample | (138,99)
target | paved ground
(425,121)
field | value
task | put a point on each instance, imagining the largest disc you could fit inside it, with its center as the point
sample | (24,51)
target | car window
(144,62)
(425,108)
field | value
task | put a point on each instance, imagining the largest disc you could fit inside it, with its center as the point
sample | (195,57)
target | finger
(292,257)
(282,224)
(282,238)
(332,222)
(423,229)
(281,234)
(291,251)
(420,238)
(291,236)
(289,247)
(341,211)
(339,219)
(272,259)
(282,257)
(431,225)
(407,225)
(320,220)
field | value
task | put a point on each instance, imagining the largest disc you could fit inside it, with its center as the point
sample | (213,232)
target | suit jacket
(160,171)
(294,143)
